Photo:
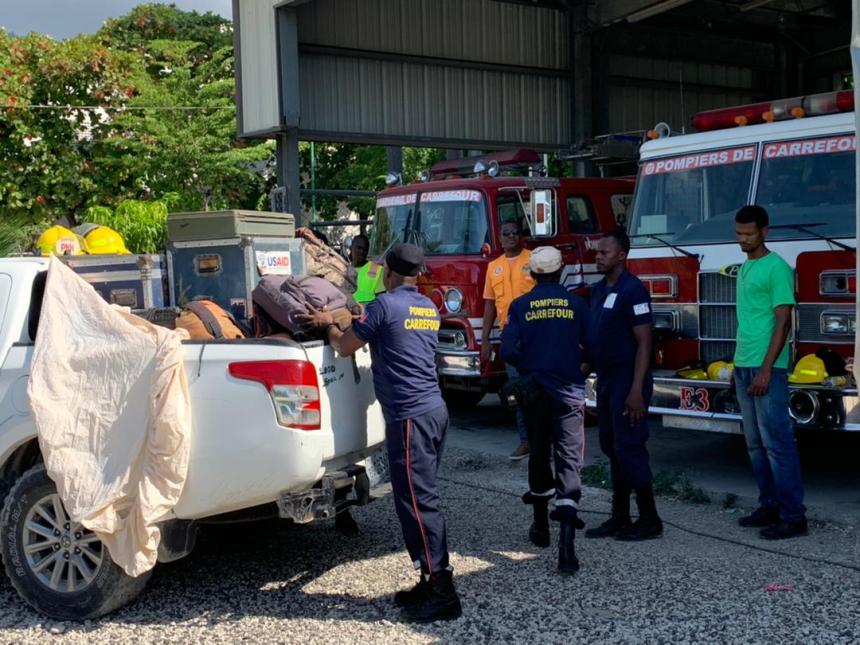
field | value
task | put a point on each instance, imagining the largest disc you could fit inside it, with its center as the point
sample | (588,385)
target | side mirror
(541,216)
(346,247)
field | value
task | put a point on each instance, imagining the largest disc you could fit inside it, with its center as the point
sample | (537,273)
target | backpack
(282,298)
(324,262)
(205,320)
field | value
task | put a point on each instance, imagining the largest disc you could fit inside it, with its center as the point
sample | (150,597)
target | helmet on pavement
(809,369)
(61,241)
(105,240)
(720,370)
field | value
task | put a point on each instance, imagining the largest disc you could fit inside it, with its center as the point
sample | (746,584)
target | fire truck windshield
(693,199)
(690,199)
(447,222)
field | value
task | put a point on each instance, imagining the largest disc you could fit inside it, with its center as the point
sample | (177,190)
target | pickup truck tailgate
(348,402)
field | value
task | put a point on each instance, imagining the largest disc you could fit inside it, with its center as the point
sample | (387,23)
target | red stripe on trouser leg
(414,498)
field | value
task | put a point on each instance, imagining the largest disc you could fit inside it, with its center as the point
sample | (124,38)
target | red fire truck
(455,212)
(796,158)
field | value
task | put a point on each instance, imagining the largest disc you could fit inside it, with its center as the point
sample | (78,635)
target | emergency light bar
(781,110)
(503,159)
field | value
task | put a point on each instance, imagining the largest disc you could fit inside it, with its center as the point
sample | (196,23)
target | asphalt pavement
(705,581)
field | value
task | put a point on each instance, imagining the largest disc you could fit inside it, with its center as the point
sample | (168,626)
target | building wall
(443,72)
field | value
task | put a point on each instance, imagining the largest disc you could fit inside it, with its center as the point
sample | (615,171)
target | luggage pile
(254,273)
(225,274)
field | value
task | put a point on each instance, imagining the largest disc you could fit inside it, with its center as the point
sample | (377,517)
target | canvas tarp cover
(111,404)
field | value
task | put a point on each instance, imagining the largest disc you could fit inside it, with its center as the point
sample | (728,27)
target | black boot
(345,524)
(539,530)
(649,525)
(567,562)
(414,596)
(439,603)
(620,518)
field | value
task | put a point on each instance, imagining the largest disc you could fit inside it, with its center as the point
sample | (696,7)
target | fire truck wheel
(462,399)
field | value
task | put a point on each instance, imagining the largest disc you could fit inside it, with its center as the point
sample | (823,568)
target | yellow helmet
(61,241)
(694,372)
(809,369)
(104,240)
(720,370)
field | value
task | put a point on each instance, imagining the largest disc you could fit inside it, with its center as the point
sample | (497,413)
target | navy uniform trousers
(621,442)
(414,453)
(555,427)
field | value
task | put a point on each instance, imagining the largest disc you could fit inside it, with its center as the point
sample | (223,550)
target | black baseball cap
(405,259)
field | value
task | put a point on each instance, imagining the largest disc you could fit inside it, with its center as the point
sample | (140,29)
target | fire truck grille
(717,318)
(715,288)
(717,350)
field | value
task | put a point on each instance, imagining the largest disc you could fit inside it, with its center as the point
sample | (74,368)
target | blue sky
(65,18)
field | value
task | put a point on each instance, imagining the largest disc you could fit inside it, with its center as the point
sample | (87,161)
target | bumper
(712,406)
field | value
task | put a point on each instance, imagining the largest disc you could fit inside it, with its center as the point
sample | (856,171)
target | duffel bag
(284,298)
(205,320)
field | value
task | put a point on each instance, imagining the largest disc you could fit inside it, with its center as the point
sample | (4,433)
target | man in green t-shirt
(765,297)
(368,273)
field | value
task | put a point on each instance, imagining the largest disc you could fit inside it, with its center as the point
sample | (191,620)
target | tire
(462,399)
(88,584)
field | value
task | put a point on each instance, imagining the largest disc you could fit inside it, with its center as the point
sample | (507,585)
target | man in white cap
(543,339)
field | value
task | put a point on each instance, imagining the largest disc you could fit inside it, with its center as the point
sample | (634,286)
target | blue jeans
(521,424)
(770,443)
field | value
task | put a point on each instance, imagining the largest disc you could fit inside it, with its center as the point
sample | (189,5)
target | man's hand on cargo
(315,318)
(760,382)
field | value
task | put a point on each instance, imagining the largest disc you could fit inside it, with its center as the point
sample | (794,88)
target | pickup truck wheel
(462,399)
(55,564)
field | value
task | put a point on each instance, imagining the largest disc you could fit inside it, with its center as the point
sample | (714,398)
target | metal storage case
(227,270)
(136,281)
(222,225)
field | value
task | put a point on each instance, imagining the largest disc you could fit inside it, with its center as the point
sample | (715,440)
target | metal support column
(288,171)
(288,141)
(582,81)
(394,159)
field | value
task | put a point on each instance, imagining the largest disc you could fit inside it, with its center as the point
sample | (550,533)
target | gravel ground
(706,581)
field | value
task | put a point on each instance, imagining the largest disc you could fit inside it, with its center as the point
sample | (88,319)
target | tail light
(293,387)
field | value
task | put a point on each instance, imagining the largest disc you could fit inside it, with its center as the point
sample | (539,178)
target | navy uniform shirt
(402,328)
(542,339)
(615,311)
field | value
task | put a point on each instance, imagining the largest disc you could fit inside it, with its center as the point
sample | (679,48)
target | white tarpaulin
(111,404)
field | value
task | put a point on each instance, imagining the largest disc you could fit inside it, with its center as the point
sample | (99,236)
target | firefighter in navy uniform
(542,339)
(402,326)
(619,344)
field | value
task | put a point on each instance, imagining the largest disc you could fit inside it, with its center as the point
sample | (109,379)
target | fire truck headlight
(838,324)
(453,300)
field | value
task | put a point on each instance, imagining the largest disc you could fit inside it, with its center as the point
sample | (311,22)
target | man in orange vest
(508,277)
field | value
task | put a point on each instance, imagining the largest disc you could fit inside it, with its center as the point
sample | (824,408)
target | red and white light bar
(466,167)
(781,110)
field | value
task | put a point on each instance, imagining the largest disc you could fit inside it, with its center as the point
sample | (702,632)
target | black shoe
(760,517)
(539,535)
(784,530)
(414,596)
(641,529)
(440,602)
(610,528)
(539,530)
(567,561)
(346,525)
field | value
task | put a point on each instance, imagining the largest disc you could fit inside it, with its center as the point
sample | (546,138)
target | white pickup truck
(279,429)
